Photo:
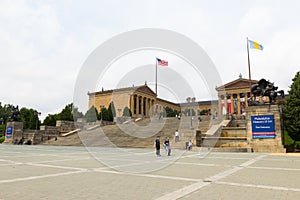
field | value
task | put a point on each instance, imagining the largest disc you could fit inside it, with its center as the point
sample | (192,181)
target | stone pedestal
(14,130)
(272,145)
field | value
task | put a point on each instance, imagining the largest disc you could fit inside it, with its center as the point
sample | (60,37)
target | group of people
(167,145)
(22,141)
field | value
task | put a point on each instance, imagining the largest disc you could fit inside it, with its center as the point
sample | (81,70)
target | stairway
(138,134)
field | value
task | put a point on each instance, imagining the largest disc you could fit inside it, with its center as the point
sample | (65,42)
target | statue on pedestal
(264,88)
(15,113)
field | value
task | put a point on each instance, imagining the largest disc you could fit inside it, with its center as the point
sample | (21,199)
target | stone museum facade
(142,101)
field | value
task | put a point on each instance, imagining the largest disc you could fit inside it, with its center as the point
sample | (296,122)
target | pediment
(238,83)
(146,89)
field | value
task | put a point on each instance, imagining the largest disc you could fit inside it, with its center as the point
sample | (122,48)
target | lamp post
(190,102)
(36,113)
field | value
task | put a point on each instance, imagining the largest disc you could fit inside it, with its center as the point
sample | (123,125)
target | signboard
(263,126)
(8,134)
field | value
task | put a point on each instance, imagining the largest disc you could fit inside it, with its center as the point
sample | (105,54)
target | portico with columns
(233,96)
(141,100)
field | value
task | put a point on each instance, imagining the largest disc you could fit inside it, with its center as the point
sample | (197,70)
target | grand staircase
(138,134)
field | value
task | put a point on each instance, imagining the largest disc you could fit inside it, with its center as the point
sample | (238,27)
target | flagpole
(249,66)
(156,76)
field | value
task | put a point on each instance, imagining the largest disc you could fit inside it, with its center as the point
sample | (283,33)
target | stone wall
(67,126)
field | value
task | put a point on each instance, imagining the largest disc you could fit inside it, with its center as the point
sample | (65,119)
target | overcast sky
(43,44)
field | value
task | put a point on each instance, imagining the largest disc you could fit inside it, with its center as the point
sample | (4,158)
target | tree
(5,113)
(104,114)
(127,112)
(29,118)
(170,112)
(50,120)
(66,113)
(292,110)
(91,115)
(111,112)
(76,113)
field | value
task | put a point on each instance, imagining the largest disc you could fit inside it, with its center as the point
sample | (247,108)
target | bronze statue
(15,113)
(265,88)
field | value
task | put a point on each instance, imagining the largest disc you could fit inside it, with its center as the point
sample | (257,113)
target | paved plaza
(48,172)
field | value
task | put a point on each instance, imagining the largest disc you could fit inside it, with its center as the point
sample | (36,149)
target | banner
(8,133)
(263,126)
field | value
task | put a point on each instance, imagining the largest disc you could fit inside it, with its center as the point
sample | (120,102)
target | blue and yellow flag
(255,45)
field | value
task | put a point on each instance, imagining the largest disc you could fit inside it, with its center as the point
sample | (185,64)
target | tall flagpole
(249,66)
(156,76)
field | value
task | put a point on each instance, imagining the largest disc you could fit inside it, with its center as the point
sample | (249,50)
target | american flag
(162,62)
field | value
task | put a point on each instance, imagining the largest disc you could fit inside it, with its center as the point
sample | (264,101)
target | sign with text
(263,126)
(8,134)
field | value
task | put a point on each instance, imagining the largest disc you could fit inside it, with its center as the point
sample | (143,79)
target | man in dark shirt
(157,146)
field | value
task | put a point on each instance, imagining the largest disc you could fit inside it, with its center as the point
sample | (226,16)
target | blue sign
(263,126)
(9,132)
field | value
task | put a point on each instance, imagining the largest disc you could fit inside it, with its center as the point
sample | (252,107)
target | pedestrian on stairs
(176,136)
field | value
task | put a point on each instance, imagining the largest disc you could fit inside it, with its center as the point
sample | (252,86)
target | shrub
(2,138)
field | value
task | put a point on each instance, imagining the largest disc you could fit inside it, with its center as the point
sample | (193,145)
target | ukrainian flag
(255,45)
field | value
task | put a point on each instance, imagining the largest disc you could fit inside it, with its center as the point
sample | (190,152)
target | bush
(2,138)
(2,129)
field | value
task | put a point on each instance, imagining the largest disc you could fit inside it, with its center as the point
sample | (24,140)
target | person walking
(190,145)
(176,136)
(157,146)
(167,146)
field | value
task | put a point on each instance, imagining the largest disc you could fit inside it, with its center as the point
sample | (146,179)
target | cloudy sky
(43,44)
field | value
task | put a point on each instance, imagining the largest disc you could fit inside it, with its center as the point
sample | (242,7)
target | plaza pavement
(56,172)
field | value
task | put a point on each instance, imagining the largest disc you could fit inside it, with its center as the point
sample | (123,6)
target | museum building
(142,101)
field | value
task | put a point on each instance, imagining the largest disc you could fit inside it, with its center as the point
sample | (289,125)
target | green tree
(170,112)
(91,115)
(127,112)
(292,110)
(76,113)
(104,114)
(66,113)
(30,118)
(5,113)
(50,120)
(111,112)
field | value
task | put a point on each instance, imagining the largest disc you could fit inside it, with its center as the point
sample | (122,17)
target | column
(142,105)
(238,103)
(137,105)
(225,103)
(231,103)
(219,105)
(148,107)
(131,102)
(246,100)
